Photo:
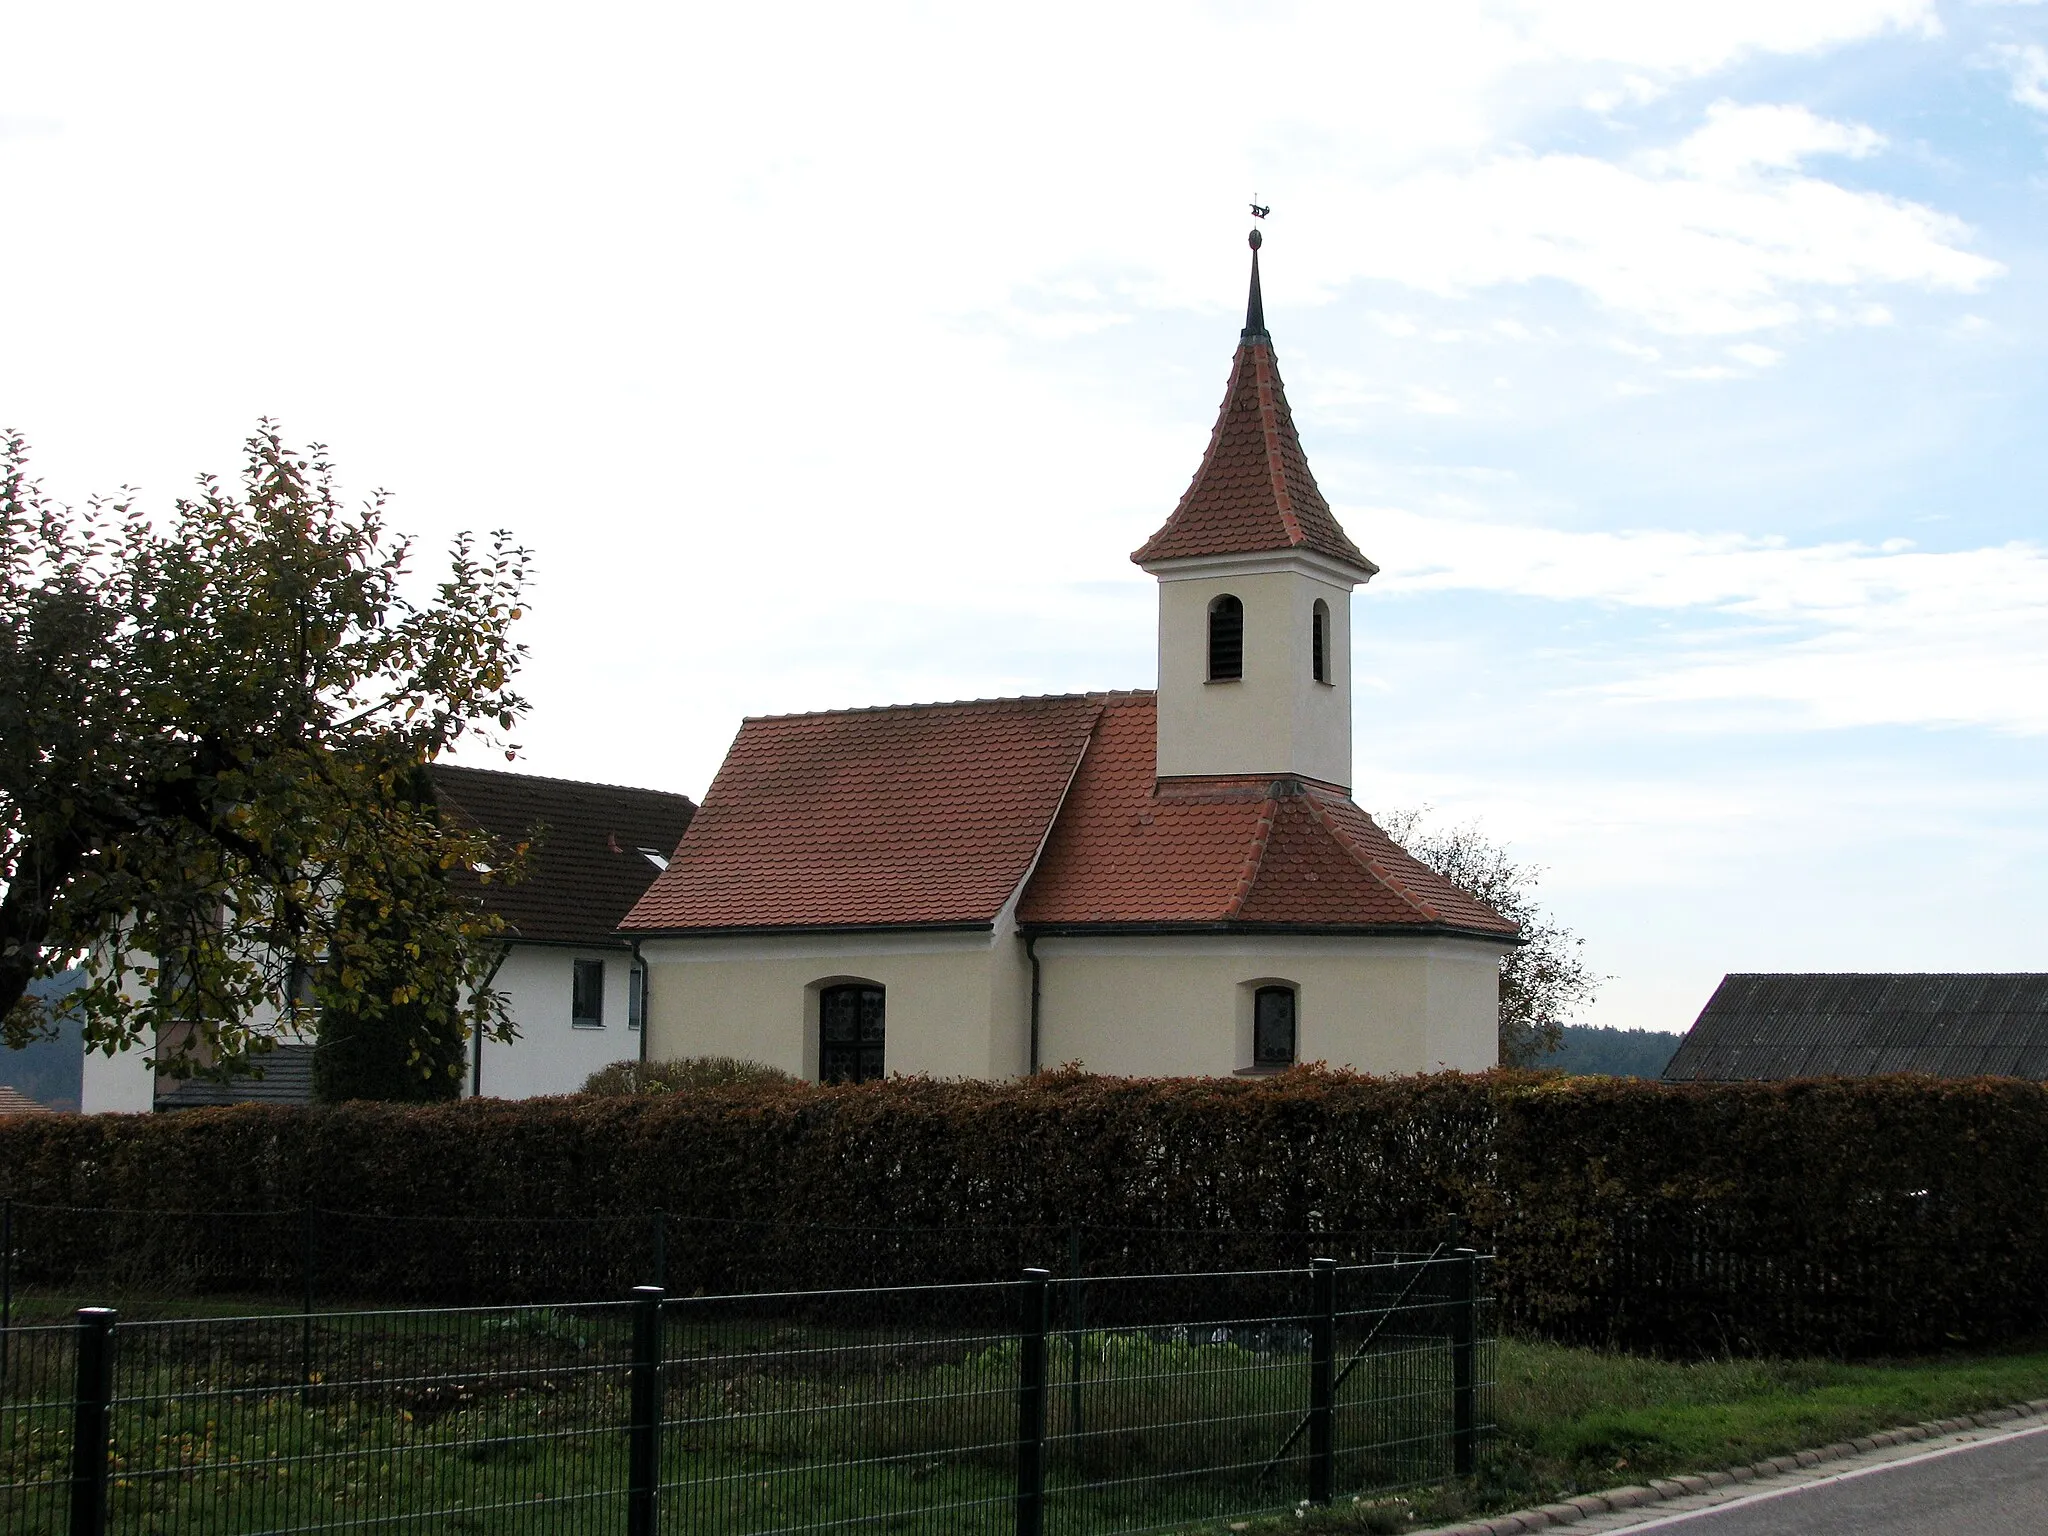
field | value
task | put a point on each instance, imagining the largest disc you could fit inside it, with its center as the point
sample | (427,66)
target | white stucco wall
(123,1083)
(1181,1005)
(958,1005)
(551,1054)
(956,1002)
(1276,719)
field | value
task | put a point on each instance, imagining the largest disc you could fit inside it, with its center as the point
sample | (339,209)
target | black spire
(1255,307)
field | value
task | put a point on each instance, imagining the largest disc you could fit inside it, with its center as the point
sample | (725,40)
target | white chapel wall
(1176,1005)
(954,1003)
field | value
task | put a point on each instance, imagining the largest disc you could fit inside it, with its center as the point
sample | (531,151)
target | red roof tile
(918,815)
(1129,849)
(1253,492)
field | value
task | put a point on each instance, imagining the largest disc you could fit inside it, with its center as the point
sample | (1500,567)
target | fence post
(6,1282)
(1077,1330)
(660,1247)
(91,1420)
(643,1448)
(306,1229)
(1464,1350)
(1322,1378)
(1031,1404)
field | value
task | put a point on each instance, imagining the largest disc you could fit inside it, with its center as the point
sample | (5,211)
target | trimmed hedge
(1842,1217)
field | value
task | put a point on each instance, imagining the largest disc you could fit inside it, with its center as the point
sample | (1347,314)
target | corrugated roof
(587,868)
(1769,1026)
(14,1102)
(287,1079)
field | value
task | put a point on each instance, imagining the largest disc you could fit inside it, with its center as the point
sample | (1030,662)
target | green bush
(629,1077)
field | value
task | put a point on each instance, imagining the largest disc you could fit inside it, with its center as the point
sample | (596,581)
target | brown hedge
(1848,1216)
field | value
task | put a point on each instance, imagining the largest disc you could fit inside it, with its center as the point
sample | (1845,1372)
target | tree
(207,735)
(1543,984)
(412,1051)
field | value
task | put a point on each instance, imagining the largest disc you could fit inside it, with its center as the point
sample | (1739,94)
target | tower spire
(1255,306)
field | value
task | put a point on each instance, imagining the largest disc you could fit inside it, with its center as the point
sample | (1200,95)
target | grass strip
(1575,1421)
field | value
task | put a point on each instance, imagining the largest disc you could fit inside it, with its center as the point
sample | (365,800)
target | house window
(1226,639)
(586,1004)
(1273,1027)
(1319,641)
(636,997)
(850,1021)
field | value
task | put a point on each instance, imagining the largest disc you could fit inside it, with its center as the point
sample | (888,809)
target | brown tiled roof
(1253,492)
(587,868)
(921,815)
(14,1102)
(1251,852)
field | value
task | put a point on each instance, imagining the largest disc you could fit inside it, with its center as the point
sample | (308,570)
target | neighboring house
(574,987)
(1759,1027)
(1163,882)
(48,1069)
(14,1102)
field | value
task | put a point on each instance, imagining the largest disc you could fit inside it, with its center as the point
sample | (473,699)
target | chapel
(1165,882)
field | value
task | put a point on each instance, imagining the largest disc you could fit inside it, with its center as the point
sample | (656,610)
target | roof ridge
(1372,865)
(549,778)
(1101,696)
(1255,857)
(1269,425)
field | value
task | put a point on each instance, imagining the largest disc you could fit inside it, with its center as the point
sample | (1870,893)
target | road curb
(1660,1489)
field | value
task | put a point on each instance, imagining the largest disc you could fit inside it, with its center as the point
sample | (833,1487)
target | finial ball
(1256,239)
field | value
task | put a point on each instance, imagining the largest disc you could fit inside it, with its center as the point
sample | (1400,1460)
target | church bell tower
(1255,579)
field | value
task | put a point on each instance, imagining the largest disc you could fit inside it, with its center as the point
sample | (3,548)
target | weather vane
(1259,211)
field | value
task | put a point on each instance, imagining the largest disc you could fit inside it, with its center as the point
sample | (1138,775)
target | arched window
(1226,639)
(850,1020)
(1319,641)
(1273,1027)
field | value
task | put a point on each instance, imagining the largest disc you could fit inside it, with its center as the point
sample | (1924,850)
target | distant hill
(1591,1049)
(49,1071)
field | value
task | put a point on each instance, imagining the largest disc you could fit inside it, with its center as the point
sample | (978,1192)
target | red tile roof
(1251,852)
(921,815)
(1253,492)
(930,815)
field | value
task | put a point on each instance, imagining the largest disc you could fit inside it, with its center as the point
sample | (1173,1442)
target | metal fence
(1039,1406)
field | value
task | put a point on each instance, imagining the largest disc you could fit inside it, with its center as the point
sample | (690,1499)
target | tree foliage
(1545,983)
(207,734)
(412,1051)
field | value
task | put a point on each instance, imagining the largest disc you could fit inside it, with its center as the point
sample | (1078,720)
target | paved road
(1991,1488)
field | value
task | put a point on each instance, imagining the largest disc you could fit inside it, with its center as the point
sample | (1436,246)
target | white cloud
(2026,66)
(1756,356)
(1840,634)
(1724,233)
(1737,139)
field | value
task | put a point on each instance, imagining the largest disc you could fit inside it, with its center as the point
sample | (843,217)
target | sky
(1679,365)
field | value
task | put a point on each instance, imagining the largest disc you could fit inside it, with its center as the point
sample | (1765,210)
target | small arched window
(850,1029)
(1226,639)
(1273,1027)
(1319,641)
